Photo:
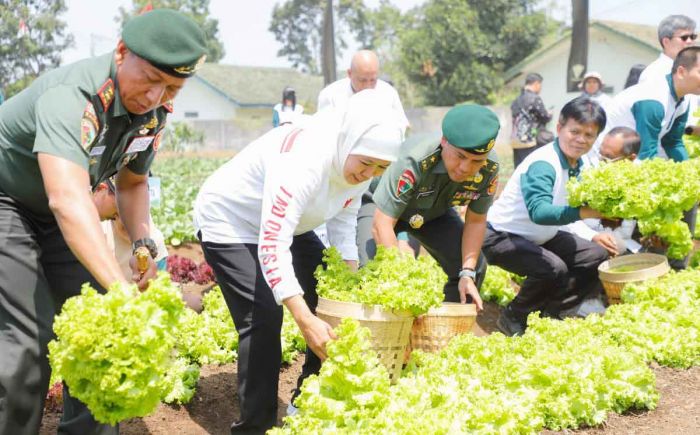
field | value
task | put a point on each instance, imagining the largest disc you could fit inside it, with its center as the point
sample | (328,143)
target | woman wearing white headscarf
(255,217)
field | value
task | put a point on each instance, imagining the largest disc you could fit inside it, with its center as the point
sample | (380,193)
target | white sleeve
(396,104)
(580,229)
(324,99)
(342,230)
(284,200)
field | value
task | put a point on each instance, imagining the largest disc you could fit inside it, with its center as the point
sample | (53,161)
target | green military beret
(471,127)
(168,39)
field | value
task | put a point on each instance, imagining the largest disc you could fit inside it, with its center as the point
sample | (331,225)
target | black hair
(631,142)
(289,94)
(633,75)
(584,111)
(533,78)
(687,58)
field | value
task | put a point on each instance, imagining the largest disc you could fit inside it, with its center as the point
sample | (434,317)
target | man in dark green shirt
(70,130)
(418,194)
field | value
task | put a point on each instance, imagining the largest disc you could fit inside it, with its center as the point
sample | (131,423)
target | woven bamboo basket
(390,329)
(643,266)
(432,331)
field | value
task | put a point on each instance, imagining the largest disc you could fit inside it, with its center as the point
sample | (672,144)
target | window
(191,114)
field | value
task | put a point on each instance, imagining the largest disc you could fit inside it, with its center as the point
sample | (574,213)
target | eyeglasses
(691,36)
(605,159)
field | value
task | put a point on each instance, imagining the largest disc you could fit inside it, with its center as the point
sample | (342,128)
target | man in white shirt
(676,32)
(362,74)
(620,143)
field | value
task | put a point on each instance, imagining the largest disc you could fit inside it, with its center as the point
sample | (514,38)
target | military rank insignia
(89,126)
(106,94)
(406,182)
(486,148)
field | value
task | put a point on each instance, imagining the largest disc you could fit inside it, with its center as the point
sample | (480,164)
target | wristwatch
(148,243)
(467,273)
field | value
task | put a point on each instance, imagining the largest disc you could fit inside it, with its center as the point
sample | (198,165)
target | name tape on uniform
(139,144)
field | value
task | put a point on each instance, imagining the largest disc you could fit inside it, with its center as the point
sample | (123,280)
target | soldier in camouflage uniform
(70,130)
(419,193)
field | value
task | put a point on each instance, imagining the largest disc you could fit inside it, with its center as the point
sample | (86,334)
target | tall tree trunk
(578,56)
(328,45)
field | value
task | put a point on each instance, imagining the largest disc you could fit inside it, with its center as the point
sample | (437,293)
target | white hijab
(369,127)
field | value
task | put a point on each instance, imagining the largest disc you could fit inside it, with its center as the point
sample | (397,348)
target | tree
(457,50)
(32,38)
(298,25)
(198,10)
(181,136)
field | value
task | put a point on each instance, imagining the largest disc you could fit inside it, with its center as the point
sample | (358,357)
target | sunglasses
(691,36)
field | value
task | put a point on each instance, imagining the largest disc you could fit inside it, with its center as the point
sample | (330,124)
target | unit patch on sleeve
(406,182)
(89,126)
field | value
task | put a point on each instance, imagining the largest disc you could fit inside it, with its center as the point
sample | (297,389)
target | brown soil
(215,405)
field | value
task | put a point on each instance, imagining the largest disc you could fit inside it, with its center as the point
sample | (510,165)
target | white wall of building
(197,101)
(610,54)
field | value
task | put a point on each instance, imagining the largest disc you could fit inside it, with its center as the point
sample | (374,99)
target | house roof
(249,86)
(635,33)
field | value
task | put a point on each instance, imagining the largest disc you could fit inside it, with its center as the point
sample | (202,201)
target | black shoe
(510,326)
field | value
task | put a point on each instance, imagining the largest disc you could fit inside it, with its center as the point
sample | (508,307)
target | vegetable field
(640,359)
(181,178)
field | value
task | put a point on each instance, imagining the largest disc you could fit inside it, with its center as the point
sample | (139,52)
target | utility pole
(578,56)
(328,46)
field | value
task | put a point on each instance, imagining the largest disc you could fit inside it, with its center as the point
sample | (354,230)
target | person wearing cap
(530,119)
(255,218)
(288,111)
(61,137)
(592,87)
(526,231)
(434,174)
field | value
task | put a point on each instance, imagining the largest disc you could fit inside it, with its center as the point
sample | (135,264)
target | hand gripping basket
(642,267)
(432,331)
(390,329)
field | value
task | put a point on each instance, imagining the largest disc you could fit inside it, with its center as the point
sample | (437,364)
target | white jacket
(287,183)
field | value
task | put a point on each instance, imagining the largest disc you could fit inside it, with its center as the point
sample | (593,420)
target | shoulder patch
(106,94)
(168,106)
(407,180)
(89,126)
(430,160)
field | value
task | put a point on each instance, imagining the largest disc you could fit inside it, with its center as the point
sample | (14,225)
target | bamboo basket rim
(656,265)
(453,309)
(363,311)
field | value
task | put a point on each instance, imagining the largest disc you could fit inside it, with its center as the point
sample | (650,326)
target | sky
(243,24)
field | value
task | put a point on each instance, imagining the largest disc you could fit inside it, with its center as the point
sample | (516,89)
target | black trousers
(441,237)
(258,320)
(560,273)
(38,272)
